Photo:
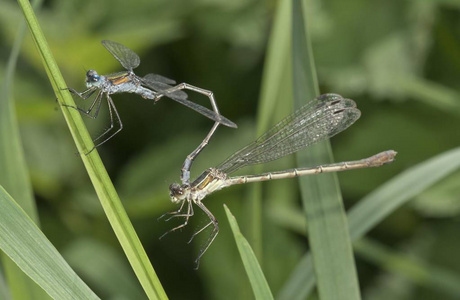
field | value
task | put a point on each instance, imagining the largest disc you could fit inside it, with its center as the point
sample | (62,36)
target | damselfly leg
(85,95)
(178,214)
(112,111)
(212,235)
(185,172)
(97,105)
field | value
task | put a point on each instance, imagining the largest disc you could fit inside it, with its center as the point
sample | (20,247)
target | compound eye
(92,76)
(175,189)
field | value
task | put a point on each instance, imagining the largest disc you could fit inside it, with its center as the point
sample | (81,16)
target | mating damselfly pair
(319,119)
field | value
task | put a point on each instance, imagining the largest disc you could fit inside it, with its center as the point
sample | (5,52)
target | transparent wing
(127,58)
(205,112)
(160,84)
(320,119)
(160,78)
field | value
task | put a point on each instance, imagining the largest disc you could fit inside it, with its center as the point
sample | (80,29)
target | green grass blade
(373,208)
(256,277)
(102,184)
(278,55)
(4,291)
(103,267)
(417,271)
(15,175)
(272,90)
(28,247)
(328,235)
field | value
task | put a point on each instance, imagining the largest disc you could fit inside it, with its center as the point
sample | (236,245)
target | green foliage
(96,171)
(256,277)
(327,228)
(369,212)
(28,247)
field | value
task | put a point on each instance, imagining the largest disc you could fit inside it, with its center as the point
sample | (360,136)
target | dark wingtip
(228,123)
(232,125)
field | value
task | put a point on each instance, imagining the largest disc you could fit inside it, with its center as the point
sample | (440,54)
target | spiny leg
(112,111)
(185,172)
(83,95)
(198,232)
(211,237)
(187,217)
(97,102)
(174,212)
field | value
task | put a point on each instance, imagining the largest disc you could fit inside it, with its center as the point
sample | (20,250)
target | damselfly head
(177,193)
(92,78)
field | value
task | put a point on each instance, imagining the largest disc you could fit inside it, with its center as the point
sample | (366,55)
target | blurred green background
(399,60)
